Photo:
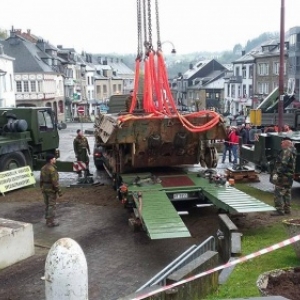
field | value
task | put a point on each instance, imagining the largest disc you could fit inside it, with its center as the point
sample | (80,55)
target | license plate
(180,196)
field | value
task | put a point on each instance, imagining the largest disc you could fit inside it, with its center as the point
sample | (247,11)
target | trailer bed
(159,216)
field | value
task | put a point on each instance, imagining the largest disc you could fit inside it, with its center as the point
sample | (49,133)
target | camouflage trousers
(50,203)
(282,198)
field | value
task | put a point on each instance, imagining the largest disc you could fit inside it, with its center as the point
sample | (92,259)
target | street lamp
(173,51)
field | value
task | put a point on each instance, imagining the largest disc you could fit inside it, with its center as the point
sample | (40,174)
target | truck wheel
(12,161)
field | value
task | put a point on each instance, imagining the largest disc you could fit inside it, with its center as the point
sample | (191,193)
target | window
(244,72)
(207,95)
(276,68)
(40,86)
(251,71)
(11,82)
(98,89)
(263,87)
(26,86)
(45,120)
(114,88)
(120,88)
(263,69)
(104,89)
(32,86)
(19,86)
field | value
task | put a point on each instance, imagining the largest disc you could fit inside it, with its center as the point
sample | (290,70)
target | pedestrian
(49,184)
(234,142)
(82,151)
(282,177)
(286,128)
(227,146)
(128,102)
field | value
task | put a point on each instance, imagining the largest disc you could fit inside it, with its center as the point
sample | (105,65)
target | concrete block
(16,242)
(225,273)
(236,243)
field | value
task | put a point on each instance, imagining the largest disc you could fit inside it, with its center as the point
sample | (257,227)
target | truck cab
(26,135)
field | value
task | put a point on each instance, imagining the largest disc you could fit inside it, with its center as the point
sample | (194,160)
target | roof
(27,56)
(121,68)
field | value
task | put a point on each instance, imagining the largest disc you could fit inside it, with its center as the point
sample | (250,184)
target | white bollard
(66,276)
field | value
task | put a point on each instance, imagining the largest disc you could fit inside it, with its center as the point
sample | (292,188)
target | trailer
(154,196)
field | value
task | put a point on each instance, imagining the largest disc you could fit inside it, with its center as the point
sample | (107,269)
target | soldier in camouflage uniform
(282,177)
(82,150)
(50,189)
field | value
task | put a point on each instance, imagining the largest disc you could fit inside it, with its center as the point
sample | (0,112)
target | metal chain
(146,43)
(159,45)
(149,25)
(139,29)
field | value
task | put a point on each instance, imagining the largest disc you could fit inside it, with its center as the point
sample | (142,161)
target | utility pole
(281,69)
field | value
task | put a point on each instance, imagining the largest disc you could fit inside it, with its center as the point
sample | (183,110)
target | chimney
(29,31)
(191,67)
(59,46)
(179,74)
(1,50)
(243,52)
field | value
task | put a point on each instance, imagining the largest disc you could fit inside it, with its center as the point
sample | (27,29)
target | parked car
(98,157)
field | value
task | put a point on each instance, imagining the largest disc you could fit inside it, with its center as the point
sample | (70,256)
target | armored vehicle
(126,142)
(26,135)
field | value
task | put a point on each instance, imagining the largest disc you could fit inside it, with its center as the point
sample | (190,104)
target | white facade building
(7,87)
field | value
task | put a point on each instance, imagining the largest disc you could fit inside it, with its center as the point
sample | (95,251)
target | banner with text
(15,179)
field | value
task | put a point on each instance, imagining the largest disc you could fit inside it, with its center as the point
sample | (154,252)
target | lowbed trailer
(156,213)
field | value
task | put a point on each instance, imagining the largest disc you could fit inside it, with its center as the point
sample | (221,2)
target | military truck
(269,110)
(27,134)
(267,147)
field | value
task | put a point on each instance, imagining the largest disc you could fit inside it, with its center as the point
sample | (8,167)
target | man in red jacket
(234,142)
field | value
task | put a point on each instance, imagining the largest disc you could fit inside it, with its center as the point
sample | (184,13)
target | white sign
(15,179)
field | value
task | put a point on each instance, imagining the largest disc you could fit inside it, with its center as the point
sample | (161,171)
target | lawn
(242,281)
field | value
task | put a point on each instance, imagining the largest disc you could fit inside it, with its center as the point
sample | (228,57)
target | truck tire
(12,161)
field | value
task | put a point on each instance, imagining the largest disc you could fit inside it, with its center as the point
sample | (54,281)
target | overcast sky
(102,26)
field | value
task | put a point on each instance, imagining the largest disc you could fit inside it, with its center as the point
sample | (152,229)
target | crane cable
(158,100)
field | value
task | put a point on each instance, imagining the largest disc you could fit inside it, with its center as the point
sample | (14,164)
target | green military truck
(27,134)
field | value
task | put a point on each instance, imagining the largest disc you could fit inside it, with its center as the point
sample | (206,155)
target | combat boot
(88,173)
(51,222)
(277,213)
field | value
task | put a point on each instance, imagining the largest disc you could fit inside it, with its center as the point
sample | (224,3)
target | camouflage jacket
(286,162)
(80,145)
(49,179)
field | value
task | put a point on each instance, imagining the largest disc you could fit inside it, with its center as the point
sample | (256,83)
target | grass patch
(242,281)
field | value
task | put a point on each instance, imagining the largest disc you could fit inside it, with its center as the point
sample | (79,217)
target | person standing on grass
(282,177)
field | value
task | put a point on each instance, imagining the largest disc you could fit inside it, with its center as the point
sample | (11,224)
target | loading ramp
(157,213)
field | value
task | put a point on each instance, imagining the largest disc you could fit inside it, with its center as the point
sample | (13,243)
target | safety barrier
(189,255)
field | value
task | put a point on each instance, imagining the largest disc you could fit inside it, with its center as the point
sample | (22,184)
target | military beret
(286,138)
(49,157)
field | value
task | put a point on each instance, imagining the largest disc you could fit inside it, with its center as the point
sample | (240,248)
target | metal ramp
(160,217)
(230,199)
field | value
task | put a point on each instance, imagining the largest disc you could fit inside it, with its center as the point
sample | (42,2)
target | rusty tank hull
(131,142)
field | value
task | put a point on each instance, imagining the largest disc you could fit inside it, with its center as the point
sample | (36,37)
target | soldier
(282,177)
(82,150)
(50,189)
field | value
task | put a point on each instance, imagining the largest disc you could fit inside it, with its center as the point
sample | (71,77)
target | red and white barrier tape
(79,166)
(229,264)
